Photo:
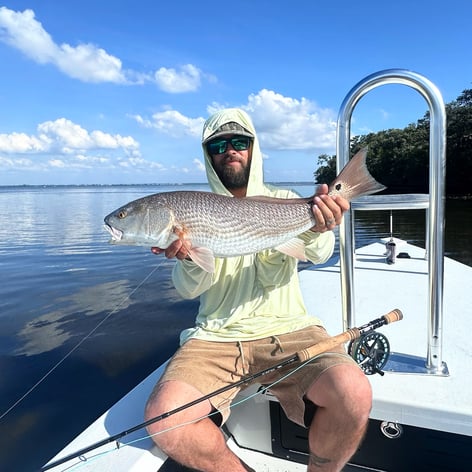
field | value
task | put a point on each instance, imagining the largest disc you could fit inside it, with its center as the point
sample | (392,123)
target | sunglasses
(219,146)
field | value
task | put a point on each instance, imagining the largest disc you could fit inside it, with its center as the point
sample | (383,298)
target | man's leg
(343,396)
(199,445)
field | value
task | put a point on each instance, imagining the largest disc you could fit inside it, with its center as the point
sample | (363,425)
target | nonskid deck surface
(259,462)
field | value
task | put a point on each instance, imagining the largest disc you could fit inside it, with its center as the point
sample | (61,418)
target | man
(252,316)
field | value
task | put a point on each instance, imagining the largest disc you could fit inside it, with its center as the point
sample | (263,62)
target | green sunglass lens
(240,144)
(220,146)
(217,147)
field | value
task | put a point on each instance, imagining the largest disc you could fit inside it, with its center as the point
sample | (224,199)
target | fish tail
(355,179)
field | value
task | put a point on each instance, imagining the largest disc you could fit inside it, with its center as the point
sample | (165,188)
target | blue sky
(117,92)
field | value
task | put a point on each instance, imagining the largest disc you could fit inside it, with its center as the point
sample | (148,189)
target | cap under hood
(221,123)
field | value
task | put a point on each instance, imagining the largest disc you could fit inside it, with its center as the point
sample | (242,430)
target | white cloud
(62,144)
(21,142)
(16,163)
(85,62)
(199,165)
(57,163)
(65,136)
(186,79)
(282,123)
(88,62)
(290,123)
(140,163)
(173,123)
(22,31)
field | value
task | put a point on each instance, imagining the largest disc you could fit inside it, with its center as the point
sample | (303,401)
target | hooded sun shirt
(253,296)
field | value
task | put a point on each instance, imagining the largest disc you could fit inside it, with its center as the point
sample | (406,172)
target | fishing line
(85,461)
(306,354)
(52,369)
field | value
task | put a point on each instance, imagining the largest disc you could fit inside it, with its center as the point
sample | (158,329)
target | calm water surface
(60,279)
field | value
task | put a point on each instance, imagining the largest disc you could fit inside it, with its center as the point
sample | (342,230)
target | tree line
(399,158)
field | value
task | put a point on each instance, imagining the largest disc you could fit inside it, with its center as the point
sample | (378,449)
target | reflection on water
(61,279)
(54,328)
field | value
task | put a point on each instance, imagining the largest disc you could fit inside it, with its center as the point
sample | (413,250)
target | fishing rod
(301,356)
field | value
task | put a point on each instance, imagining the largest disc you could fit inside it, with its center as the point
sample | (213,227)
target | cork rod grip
(328,344)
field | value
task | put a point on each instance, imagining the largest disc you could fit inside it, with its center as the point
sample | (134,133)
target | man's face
(232,166)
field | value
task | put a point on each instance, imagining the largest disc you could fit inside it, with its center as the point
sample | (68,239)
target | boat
(419,367)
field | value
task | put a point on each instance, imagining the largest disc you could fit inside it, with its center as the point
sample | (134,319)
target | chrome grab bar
(436,217)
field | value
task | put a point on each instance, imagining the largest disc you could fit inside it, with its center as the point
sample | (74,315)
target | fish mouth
(116,234)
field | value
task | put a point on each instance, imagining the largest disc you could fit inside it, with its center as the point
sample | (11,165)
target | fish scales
(233,226)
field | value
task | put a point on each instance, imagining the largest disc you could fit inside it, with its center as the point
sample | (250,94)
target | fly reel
(371,352)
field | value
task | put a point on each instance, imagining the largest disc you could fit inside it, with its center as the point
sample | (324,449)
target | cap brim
(228,133)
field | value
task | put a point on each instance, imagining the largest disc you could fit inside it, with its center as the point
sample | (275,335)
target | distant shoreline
(189,184)
(177,185)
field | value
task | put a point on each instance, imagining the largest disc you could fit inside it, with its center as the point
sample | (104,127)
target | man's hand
(178,249)
(327,210)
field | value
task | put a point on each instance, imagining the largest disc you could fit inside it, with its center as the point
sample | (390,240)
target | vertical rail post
(436,212)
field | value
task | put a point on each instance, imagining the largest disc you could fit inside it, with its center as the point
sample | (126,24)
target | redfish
(214,225)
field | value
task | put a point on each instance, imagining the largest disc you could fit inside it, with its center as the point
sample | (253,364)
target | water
(67,295)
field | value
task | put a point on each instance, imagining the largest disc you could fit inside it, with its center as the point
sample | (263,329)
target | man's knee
(343,387)
(167,397)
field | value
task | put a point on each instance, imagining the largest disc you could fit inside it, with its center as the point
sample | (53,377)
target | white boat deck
(429,401)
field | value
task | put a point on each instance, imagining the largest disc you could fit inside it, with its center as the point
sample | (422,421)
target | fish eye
(337,187)
(122,214)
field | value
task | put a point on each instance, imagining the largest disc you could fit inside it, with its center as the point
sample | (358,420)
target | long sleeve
(319,247)
(190,280)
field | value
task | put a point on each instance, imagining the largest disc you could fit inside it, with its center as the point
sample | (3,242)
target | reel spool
(371,351)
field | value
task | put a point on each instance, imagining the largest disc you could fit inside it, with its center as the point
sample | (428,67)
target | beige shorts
(209,366)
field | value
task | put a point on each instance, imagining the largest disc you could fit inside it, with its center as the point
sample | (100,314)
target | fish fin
(354,179)
(203,257)
(294,247)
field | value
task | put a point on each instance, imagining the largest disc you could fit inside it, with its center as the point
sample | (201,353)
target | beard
(233,178)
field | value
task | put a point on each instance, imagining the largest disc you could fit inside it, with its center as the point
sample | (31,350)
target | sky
(95,92)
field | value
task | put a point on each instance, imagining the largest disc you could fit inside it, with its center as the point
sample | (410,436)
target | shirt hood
(256,178)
